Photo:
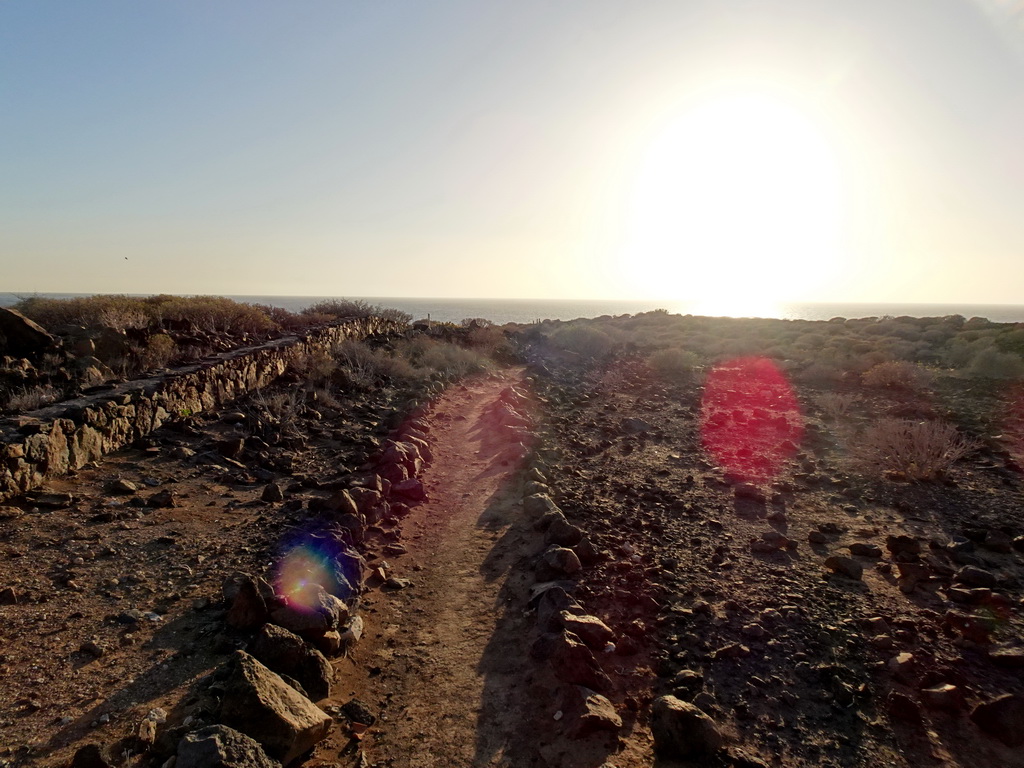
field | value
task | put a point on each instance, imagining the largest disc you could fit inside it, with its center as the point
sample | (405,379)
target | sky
(801,151)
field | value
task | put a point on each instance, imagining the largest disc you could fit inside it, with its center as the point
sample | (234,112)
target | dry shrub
(673,362)
(918,450)
(821,375)
(159,351)
(355,308)
(275,412)
(896,374)
(118,312)
(215,314)
(317,366)
(452,360)
(362,367)
(836,404)
(208,313)
(323,396)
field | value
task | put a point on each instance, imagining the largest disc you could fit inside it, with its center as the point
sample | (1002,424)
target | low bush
(992,364)
(896,374)
(354,308)
(275,412)
(453,361)
(917,450)
(317,367)
(584,340)
(673,362)
(821,375)
(360,366)
(159,351)
(340,308)
(836,404)
(115,311)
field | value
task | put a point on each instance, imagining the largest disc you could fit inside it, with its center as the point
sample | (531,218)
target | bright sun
(736,205)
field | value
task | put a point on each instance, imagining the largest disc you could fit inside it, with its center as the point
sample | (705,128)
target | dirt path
(442,657)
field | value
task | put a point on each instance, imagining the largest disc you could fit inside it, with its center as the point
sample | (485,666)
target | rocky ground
(584,566)
(114,578)
(746,569)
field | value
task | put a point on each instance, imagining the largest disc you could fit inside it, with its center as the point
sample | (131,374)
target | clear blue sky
(468,148)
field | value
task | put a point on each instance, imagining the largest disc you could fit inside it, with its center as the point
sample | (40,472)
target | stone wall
(49,442)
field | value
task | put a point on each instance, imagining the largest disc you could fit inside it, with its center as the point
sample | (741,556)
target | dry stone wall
(51,441)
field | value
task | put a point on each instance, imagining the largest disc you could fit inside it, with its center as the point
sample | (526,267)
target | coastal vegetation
(86,342)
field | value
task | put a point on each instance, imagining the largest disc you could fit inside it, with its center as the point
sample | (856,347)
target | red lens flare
(750,419)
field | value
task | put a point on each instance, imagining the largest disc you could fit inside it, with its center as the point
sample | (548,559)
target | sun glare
(736,205)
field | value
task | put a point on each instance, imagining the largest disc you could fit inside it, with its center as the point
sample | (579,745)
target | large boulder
(259,703)
(218,746)
(21,337)
(683,730)
(1003,717)
(411,489)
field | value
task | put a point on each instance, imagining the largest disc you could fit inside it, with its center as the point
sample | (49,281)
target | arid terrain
(598,559)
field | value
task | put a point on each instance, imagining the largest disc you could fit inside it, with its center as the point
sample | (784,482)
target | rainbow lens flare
(312,562)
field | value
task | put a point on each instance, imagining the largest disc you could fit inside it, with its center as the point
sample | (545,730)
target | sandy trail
(443,657)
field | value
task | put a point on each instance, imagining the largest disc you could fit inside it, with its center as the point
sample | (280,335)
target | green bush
(673,362)
(584,340)
(992,364)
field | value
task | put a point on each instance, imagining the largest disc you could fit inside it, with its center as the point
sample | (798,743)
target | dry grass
(31,398)
(915,450)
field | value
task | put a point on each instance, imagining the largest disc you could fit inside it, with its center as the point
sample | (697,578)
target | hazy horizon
(849,152)
(525,310)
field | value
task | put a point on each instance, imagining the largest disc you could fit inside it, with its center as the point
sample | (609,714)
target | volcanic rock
(845,566)
(589,712)
(1002,717)
(218,746)
(683,730)
(22,337)
(287,654)
(260,704)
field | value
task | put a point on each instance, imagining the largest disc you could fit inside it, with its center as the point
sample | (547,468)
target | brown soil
(794,673)
(447,665)
(793,670)
(443,664)
(76,665)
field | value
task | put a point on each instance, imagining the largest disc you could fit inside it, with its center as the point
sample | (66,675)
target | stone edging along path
(51,441)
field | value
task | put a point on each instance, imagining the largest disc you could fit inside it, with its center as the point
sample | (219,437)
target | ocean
(532,310)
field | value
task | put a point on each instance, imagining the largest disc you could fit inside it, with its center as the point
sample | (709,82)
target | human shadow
(517,723)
